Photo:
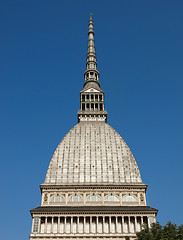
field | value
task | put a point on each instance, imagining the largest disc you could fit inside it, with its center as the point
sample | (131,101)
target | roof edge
(137,185)
(90,209)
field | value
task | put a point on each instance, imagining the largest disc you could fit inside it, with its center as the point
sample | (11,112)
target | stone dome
(92,153)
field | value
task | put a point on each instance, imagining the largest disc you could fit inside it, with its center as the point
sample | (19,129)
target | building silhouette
(93,188)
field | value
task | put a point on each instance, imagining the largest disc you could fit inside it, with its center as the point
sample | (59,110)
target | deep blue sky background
(43,48)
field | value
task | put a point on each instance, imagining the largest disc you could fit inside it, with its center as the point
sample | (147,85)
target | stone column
(84,223)
(65,223)
(116,223)
(122,225)
(58,226)
(142,222)
(148,223)
(77,224)
(52,222)
(90,224)
(71,224)
(110,224)
(135,223)
(45,227)
(128,224)
(103,225)
(96,224)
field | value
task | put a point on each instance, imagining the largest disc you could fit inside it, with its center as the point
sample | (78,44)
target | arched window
(75,198)
(57,199)
(93,198)
(129,199)
(111,198)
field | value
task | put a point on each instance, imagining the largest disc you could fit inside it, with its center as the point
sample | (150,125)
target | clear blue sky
(42,60)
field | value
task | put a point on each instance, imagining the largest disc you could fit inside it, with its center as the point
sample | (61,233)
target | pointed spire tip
(91,15)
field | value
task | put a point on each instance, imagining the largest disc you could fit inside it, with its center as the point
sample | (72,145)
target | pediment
(91,90)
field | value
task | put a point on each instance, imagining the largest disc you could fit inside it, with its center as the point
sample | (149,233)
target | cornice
(94,210)
(93,187)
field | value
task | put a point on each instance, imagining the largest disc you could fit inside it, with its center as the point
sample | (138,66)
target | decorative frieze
(108,197)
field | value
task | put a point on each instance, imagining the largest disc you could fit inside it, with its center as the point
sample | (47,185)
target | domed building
(93,188)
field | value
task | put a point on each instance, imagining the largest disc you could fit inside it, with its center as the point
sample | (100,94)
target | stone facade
(93,188)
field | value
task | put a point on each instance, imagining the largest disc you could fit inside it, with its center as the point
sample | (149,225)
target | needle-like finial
(91,74)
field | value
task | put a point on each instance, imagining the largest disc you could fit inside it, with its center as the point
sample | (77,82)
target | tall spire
(91,74)
(91,97)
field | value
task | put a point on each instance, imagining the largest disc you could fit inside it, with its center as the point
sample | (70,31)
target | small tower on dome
(91,97)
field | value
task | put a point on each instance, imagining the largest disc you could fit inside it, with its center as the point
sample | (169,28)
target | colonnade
(88,224)
(92,107)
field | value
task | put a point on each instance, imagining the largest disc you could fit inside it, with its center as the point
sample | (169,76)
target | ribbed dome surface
(92,153)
